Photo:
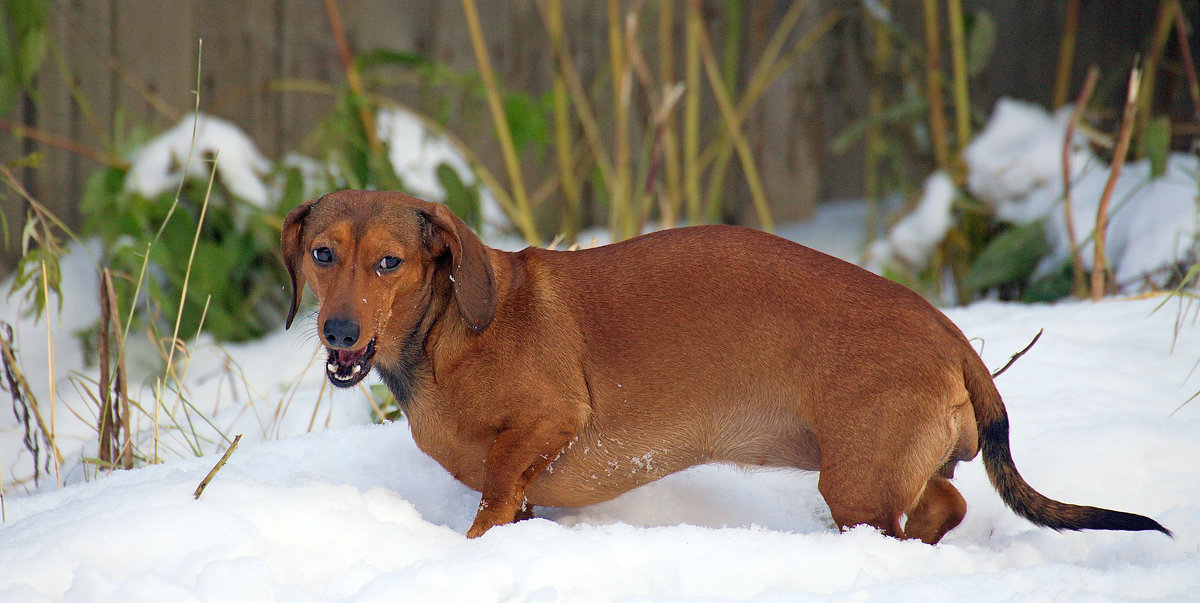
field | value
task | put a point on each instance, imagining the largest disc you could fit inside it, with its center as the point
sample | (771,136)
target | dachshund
(565,378)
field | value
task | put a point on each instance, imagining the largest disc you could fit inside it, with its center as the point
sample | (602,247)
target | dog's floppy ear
(293,254)
(470,268)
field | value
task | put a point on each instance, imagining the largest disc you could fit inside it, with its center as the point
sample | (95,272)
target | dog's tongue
(348,357)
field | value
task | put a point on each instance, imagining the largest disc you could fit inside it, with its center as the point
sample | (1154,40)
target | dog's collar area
(345,368)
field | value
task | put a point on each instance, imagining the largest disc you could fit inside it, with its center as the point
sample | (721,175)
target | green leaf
(383,57)
(27,15)
(1050,288)
(904,112)
(981,41)
(1157,144)
(463,200)
(526,121)
(1009,257)
(30,53)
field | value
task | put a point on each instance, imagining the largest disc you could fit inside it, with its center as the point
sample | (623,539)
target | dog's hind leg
(940,508)
(857,499)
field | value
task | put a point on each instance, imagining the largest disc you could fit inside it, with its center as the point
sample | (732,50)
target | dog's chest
(443,437)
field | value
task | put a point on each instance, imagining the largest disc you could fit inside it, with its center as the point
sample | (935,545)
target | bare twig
(1018,354)
(221,463)
(1100,263)
(1089,86)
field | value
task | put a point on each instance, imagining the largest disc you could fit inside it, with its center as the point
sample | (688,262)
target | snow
(915,236)
(355,511)
(1015,166)
(158,166)
(416,152)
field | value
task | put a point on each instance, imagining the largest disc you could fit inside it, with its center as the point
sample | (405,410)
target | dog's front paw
(490,514)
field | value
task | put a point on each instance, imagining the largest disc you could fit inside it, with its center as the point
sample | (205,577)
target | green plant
(235,272)
(23,41)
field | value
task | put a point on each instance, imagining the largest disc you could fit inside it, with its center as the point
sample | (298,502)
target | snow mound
(914,238)
(158,166)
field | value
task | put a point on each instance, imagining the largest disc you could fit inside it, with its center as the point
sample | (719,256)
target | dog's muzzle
(346,368)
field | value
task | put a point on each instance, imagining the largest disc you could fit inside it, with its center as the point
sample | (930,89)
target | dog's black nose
(340,332)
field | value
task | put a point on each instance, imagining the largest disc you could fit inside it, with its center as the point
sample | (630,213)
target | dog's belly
(600,464)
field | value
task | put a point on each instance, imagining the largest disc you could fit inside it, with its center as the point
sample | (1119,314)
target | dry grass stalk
(50,376)
(938,129)
(1149,72)
(1066,54)
(958,60)
(352,78)
(107,420)
(1100,262)
(24,399)
(121,381)
(522,217)
(220,463)
(620,193)
(1085,95)
(732,124)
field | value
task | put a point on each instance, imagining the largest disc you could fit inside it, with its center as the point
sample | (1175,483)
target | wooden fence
(119,64)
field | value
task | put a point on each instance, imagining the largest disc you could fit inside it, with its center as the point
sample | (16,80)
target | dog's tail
(1016,493)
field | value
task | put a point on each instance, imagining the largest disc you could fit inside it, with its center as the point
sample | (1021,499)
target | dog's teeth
(355,369)
(331,367)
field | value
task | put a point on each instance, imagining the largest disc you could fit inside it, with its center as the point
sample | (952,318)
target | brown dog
(566,378)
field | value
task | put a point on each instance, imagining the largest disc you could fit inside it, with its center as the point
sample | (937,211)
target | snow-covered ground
(355,511)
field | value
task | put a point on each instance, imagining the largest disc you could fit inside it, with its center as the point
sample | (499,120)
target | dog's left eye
(388,263)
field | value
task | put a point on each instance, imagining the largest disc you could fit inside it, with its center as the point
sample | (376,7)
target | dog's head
(377,261)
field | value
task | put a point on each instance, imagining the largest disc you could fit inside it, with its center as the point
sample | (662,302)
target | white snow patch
(157,167)
(415,153)
(1015,165)
(1018,154)
(913,239)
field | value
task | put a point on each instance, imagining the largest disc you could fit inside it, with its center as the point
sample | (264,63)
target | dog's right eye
(322,256)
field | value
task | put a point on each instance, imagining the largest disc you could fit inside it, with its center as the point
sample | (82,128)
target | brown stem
(1066,54)
(54,140)
(1018,354)
(1089,86)
(1189,66)
(1100,263)
(352,79)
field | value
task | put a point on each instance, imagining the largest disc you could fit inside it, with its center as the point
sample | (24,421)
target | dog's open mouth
(346,368)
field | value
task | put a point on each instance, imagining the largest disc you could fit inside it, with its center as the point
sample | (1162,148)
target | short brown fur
(567,378)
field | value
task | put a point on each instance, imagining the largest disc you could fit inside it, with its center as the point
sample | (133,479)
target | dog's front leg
(518,455)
